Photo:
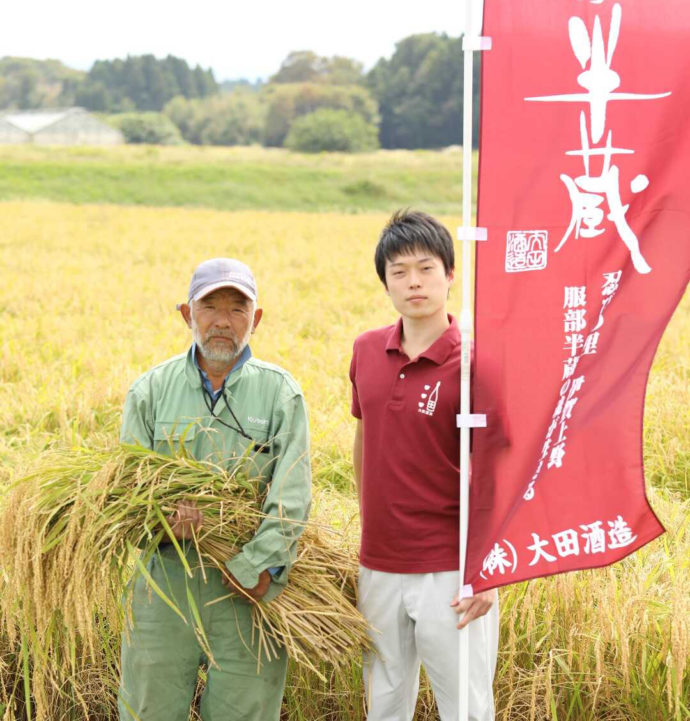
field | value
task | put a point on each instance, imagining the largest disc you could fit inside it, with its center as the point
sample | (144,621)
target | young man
(405,395)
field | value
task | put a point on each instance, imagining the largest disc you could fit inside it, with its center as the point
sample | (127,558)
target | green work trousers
(161,654)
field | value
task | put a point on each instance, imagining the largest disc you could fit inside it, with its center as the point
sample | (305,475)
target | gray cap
(222,273)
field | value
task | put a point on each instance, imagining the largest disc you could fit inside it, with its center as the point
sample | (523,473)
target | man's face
(221,324)
(417,284)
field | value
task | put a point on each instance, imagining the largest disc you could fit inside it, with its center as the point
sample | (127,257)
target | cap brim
(223,284)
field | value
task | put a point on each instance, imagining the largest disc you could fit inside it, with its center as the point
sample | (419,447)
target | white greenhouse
(72,126)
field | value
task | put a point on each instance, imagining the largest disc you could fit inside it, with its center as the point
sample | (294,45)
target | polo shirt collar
(438,351)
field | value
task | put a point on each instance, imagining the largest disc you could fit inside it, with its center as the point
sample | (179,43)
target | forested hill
(412,99)
(135,83)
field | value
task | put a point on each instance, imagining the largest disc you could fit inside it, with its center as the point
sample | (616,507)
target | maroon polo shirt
(410,471)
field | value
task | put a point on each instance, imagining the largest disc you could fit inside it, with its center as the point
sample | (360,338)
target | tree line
(411,100)
(110,86)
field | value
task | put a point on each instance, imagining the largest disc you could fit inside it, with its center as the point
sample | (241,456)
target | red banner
(584,186)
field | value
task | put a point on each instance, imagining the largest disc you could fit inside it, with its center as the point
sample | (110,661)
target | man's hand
(185,521)
(473,607)
(252,594)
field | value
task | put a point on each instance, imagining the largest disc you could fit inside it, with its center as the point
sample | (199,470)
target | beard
(220,352)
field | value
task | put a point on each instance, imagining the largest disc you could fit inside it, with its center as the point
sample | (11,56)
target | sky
(247,39)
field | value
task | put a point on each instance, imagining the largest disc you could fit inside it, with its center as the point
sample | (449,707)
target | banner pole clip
(476,42)
(472,233)
(470,420)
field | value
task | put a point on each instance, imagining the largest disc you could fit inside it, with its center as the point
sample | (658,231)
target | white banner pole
(468,234)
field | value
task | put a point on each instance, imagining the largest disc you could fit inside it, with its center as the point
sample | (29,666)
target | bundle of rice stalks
(74,533)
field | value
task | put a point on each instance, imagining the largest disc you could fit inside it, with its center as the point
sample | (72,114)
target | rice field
(87,303)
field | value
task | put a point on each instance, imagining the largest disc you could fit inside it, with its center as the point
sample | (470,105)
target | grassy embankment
(88,302)
(233,178)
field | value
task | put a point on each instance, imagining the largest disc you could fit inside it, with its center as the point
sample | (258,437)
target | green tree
(235,118)
(205,82)
(133,83)
(26,83)
(305,66)
(184,80)
(301,66)
(28,95)
(332,130)
(419,91)
(344,71)
(161,85)
(144,83)
(286,102)
(93,95)
(149,128)
(183,113)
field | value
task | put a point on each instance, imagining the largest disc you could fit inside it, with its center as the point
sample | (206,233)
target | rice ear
(77,530)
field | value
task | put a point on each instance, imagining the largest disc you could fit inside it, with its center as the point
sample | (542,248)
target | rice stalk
(76,532)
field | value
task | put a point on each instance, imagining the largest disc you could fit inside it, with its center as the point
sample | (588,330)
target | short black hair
(411,230)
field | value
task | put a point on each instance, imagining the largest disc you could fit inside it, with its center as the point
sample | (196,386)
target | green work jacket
(166,406)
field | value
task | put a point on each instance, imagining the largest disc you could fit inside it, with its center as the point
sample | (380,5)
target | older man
(223,405)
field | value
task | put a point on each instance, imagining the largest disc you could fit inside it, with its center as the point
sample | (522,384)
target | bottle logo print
(429,399)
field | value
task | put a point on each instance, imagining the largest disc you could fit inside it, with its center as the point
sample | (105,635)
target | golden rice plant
(99,309)
(608,644)
(69,534)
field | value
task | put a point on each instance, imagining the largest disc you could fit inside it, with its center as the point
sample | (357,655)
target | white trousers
(415,624)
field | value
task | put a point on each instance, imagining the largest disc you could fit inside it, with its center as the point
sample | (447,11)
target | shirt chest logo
(428,399)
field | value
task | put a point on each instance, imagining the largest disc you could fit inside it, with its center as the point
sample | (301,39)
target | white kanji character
(575,296)
(590,346)
(538,547)
(588,192)
(595,538)
(561,432)
(598,78)
(557,455)
(600,82)
(545,448)
(568,408)
(621,534)
(569,366)
(611,281)
(574,342)
(552,427)
(575,386)
(519,241)
(574,320)
(586,210)
(529,493)
(600,321)
(496,560)
(567,543)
